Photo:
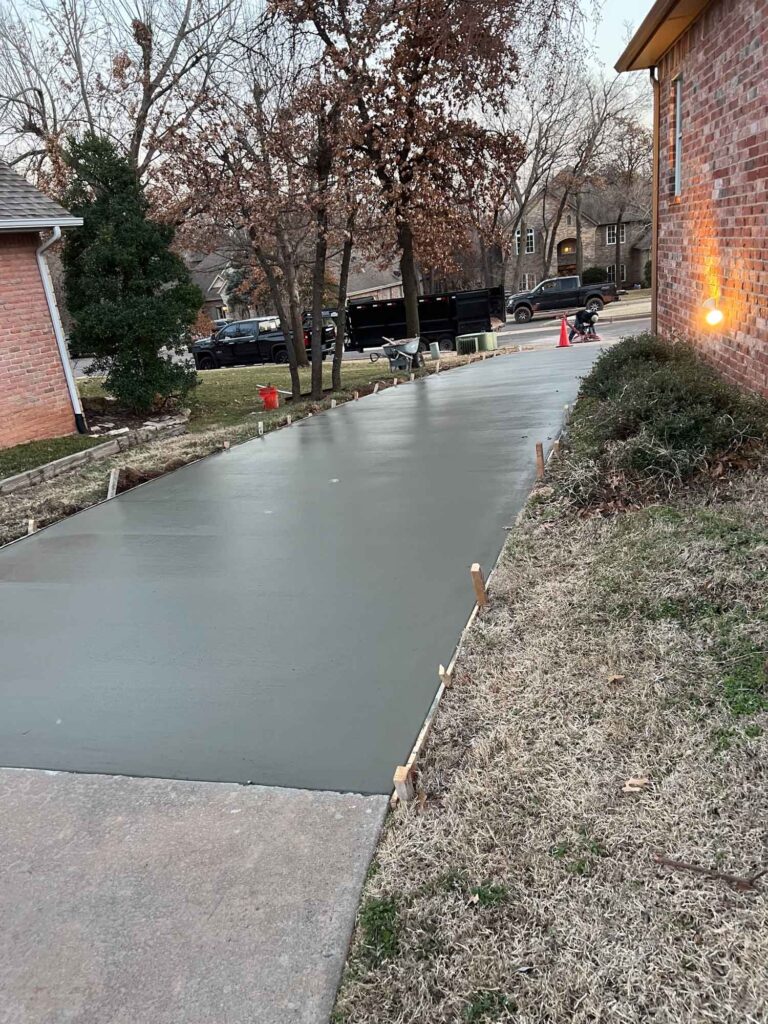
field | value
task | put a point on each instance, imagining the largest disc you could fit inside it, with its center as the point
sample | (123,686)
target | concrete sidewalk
(141,901)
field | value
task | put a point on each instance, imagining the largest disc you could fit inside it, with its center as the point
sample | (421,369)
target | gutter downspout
(58,330)
(656,85)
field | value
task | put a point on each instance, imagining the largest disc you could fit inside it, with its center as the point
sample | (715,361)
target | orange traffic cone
(563,343)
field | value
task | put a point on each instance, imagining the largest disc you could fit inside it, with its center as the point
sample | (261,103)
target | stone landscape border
(100,451)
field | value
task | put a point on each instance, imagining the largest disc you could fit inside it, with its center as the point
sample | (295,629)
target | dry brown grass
(523,887)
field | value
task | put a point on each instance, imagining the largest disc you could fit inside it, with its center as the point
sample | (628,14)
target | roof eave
(664,24)
(38,223)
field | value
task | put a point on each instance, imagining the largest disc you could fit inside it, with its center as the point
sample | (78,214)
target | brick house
(598,241)
(708,60)
(38,396)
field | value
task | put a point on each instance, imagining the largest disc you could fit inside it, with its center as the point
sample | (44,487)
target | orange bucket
(270,397)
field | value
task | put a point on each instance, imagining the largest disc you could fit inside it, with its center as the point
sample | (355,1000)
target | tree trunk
(323,164)
(618,249)
(522,228)
(409,278)
(294,306)
(341,309)
(579,238)
(486,264)
(318,286)
(556,224)
(277,297)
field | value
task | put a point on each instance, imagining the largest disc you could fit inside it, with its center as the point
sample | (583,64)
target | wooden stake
(446,677)
(556,448)
(404,787)
(227,445)
(394,382)
(31,527)
(413,376)
(437,366)
(261,428)
(539,460)
(478,581)
(376,388)
(114,479)
(355,395)
(333,403)
(288,421)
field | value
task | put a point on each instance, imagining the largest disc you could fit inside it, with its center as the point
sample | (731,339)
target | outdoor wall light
(713,315)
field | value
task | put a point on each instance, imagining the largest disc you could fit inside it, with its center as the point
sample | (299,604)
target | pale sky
(611,32)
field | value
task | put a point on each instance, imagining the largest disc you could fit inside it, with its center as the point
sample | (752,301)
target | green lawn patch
(378,923)
(228,397)
(22,457)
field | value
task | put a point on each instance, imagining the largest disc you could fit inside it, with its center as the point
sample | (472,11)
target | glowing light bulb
(713,315)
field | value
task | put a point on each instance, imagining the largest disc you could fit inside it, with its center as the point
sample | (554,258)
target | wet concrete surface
(146,901)
(275,613)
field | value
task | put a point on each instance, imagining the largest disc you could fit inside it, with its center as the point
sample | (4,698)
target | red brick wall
(714,240)
(34,401)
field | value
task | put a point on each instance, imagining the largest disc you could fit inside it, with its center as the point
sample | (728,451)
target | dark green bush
(651,415)
(594,275)
(130,296)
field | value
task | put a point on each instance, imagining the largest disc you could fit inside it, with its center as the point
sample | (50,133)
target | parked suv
(247,341)
(560,293)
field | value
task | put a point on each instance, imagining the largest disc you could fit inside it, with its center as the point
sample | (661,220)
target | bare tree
(249,159)
(413,76)
(131,70)
(603,103)
(625,175)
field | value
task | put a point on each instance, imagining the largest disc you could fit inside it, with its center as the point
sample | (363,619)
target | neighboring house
(38,395)
(709,64)
(209,272)
(370,283)
(598,241)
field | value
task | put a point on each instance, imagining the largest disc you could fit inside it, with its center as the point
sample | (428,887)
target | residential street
(538,332)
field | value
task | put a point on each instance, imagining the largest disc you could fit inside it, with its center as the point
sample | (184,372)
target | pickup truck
(252,341)
(560,293)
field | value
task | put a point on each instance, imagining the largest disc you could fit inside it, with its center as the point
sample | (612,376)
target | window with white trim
(611,271)
(677,157)
(610,234)
(528,282)
(530,242)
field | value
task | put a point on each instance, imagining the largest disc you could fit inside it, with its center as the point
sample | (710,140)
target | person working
(583,324)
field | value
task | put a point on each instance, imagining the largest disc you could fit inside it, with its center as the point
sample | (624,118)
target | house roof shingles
(24,208)
(204,270)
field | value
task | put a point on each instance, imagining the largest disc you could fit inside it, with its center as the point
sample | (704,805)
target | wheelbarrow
(402,355)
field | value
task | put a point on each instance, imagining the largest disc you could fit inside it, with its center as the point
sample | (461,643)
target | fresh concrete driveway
(276,613)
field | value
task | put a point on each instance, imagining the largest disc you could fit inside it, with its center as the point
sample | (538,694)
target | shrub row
(651,415)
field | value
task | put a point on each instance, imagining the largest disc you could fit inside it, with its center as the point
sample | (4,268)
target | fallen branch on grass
(737,881)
